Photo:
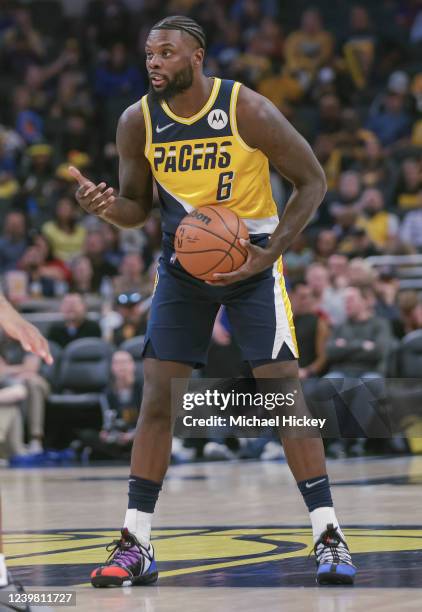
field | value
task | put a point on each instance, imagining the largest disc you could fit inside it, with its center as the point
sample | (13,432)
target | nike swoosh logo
(309,486)
(159,129)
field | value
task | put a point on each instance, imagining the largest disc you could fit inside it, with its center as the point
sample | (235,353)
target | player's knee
(156,404)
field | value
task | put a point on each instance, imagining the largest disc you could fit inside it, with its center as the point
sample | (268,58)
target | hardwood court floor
(228,536)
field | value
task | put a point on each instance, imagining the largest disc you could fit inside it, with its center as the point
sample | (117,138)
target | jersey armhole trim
(233,120)
(148,127)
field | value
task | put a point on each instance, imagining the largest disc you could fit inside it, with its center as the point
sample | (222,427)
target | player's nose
(154,61)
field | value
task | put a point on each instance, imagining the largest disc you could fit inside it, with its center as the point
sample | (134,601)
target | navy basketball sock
(316,492)
(143,494)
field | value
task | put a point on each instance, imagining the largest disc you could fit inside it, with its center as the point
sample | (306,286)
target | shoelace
(331,548)
(121,552)
(337,553)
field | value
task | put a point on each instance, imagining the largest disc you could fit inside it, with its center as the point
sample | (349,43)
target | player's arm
(131,206)
(262,126)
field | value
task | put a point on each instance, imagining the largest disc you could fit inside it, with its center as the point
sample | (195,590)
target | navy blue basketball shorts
(183,311)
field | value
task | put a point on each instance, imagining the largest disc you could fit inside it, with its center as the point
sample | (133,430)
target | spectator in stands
(329,116)
(309,48)
(76,136)
(329,301)
(357,243)
(113,253)
(361,273)
(17,367)
(325,245)
(95,250)
(120,414)
(359,46)
(360,345)
(109,22)
(65,234)
(117,76)
(386,291)
(411,227)
(298,258)
(348,194)
(82,275)
(72,95)
(338,270)
(22,43)
(38,183)
(12,441)
(391,124)
(410,314)
(28,121)
(9,186)
(38,284)
(52,267)
(131,277)
(409,185)
(358,349)
(312,332)
(381,226)
(13,241)
(125,391)
(133,309)
(75,322)
(375,167)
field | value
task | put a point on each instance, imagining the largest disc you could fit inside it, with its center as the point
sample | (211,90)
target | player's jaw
(163,87)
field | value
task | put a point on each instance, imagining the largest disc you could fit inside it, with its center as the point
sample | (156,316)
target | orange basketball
(207,241)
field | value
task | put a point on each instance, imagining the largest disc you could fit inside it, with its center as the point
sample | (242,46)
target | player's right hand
(95,199)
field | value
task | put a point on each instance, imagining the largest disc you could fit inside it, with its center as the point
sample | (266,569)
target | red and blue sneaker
(333,558)
(129,564)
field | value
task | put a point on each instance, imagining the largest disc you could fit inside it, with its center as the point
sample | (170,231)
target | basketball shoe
(334,563)
(129,564)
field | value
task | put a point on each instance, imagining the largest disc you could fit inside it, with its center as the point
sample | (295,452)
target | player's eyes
(166,53)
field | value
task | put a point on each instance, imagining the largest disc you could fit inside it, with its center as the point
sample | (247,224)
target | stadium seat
(409,357)
(84,373)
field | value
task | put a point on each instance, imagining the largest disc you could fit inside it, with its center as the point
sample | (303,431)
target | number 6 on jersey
(225,184)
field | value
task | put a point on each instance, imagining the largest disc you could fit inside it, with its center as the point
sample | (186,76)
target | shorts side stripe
(285,330)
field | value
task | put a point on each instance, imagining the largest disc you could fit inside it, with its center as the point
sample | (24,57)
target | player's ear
(198,57)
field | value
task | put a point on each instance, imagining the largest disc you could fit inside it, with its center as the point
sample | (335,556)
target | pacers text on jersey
(196,156)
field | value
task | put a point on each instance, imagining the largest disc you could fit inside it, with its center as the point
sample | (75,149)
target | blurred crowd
(347,75)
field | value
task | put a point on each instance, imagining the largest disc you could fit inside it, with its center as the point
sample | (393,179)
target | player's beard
(181,81)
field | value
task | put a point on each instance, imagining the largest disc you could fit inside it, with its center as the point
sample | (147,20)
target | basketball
(207,241)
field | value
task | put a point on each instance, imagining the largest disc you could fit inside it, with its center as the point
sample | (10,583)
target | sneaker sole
(328,578)
(115,581)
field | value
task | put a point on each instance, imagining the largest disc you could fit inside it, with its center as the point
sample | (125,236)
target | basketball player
(31,340)
(208,141)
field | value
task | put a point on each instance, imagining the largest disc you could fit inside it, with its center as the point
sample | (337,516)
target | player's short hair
(185,24)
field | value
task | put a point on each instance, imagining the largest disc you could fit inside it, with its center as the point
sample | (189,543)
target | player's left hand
(258,259)
(27,335)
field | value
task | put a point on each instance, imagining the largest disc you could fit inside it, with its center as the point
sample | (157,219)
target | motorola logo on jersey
(217,119)
(197,156)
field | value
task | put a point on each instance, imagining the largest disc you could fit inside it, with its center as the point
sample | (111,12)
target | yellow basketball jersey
(202,160)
